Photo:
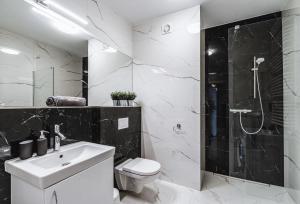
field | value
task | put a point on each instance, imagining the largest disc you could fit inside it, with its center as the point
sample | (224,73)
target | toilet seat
(142,167)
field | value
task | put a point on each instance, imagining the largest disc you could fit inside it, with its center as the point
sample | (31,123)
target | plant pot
(116,102)
(130,102)
(123,102)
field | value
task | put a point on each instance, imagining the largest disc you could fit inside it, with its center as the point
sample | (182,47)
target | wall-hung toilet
(133,174)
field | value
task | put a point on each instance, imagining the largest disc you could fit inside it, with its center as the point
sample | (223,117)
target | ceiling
(136,11)
(214,12)
(219,12)
(17,16)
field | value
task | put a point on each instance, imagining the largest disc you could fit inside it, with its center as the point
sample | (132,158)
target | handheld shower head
(260,60)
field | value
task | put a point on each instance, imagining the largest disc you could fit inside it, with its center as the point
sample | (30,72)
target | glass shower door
(256,101)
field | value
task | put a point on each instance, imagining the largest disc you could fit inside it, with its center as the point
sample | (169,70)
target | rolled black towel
(65,101)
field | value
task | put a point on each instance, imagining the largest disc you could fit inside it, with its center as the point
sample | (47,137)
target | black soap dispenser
(42,144)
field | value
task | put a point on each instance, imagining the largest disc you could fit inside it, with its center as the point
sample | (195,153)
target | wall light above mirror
(9,51)
(57,6)
(58,21)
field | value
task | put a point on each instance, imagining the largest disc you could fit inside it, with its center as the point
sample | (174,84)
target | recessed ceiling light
(9,51)
(211,51)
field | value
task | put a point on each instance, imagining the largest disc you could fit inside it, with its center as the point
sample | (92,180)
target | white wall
(293,4)
(166,78)
(104,24)
(291,74)
(17,77)
(57,72)
(108,72)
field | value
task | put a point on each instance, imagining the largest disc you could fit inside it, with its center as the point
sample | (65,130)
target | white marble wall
(291,60)
(291,4)
(16,79)
(59,69)
(108,72)
(166,78)
(26,79)
(103,23)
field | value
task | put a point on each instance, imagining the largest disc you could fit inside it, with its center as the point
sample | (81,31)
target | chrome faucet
(5,150)
(58,137)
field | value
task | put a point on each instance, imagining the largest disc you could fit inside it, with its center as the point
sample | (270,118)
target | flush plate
(123,123)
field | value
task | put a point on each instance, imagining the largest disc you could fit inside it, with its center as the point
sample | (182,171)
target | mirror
(38,58)
(41,57)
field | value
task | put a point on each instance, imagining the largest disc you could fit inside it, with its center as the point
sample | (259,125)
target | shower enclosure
(244,100)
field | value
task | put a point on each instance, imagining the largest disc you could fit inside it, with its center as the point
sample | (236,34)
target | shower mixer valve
(240,110)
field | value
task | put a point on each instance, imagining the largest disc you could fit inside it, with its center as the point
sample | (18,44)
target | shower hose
(262,111)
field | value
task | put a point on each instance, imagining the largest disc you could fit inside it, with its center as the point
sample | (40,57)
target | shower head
(260,60)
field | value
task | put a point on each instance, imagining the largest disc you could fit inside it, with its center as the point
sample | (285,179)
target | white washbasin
(54,167)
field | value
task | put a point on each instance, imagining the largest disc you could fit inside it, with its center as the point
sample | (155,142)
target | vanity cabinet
(91,186)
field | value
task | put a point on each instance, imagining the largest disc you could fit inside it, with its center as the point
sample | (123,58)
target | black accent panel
(229,58)
(91,124)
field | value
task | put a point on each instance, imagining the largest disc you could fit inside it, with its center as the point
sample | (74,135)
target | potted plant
(122,98)
(130,97)
(115,96)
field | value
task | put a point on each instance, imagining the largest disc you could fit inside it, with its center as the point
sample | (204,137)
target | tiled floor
(216,190)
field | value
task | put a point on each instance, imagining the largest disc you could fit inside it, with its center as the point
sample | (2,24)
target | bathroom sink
(54,167)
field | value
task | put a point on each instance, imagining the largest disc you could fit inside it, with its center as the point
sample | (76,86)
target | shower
(245,111)
(256,88)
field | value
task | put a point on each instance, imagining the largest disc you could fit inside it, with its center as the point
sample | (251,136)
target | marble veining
(229,85)
(34,68)
(98,4)
(101,30)
(91,124)
(291,47)
(216,190)
(108,72)
(166,78)
(162,70)
(107,27)
(293,162)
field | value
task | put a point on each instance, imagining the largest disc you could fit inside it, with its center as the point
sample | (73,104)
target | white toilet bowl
(133,174)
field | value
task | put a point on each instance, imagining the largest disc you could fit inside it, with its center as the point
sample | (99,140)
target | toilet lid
(143,167)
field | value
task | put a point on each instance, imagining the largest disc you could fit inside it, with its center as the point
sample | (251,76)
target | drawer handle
(55,196)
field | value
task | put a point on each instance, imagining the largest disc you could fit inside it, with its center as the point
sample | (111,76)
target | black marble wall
(85,78)
(91,124)
(229,59)
(216,92)
(127,141)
